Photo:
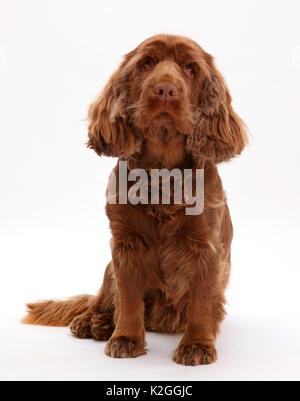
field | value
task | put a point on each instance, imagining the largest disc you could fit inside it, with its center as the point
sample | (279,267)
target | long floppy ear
(110,132)
(220,133)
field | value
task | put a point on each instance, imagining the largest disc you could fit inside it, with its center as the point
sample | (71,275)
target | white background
(54,239)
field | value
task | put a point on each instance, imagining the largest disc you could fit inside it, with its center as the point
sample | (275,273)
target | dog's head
(167,76)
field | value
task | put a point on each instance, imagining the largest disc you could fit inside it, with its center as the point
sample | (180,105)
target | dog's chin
(163,118)
(182,122)
(163,114)
(162,122)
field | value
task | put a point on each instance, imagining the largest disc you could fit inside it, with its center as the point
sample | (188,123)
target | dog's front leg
(205,312)
(128,339)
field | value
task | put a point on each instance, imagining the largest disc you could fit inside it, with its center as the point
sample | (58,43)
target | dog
(166,107)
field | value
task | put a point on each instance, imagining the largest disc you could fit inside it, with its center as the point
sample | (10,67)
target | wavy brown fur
(169,271)
(57,313)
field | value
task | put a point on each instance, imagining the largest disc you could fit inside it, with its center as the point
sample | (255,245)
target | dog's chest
(172,256)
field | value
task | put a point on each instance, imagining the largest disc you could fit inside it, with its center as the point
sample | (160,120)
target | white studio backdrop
(55,56)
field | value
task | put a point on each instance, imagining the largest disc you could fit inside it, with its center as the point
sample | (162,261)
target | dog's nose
(165,91)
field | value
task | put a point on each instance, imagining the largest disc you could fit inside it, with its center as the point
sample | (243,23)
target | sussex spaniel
(166,106)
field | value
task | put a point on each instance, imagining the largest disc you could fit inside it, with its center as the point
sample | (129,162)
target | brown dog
(168,107)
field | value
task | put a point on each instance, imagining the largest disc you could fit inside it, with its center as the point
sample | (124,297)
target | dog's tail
(57,313)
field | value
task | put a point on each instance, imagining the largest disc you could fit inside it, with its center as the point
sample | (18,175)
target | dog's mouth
(163,106)
(151,109)
(181,119)
(154,108)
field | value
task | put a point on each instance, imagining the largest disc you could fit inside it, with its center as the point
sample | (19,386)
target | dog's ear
(220,133)
(110,132)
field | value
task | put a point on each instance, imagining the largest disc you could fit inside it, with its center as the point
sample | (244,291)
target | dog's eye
(189,70)
(148,63)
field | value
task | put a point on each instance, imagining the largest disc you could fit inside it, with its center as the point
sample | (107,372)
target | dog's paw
(102,326)
(124,347)
(195,354)
(81,326)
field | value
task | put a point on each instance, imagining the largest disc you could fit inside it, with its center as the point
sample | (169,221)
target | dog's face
(166,77)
